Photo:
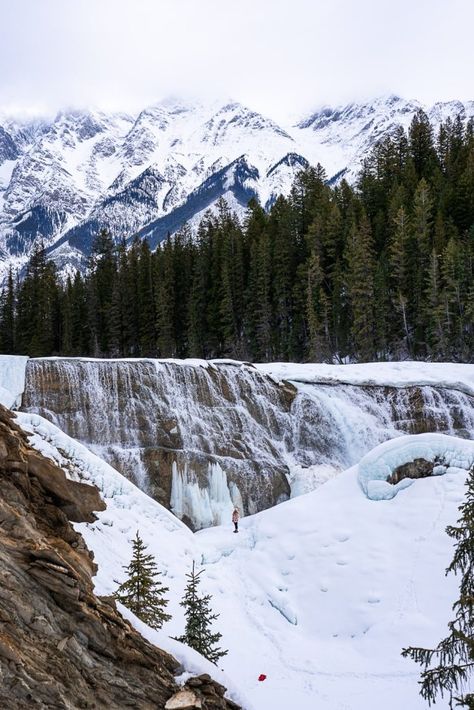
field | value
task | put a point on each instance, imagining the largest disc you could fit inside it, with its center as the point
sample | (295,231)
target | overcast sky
(282,57)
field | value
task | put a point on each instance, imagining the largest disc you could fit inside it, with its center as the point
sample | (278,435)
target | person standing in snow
(235,519)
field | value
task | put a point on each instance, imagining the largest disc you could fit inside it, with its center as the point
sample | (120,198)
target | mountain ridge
(62,179)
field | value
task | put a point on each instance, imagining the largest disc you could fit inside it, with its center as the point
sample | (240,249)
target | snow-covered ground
(320,593)
(12,379)
(407,373)
(391,374)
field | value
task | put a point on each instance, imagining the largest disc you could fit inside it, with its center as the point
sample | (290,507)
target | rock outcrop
(61,646)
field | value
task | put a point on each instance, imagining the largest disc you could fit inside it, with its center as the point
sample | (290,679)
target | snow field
(12,379)
(408,373)
(320,593)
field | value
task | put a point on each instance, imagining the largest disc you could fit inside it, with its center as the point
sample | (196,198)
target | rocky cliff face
(202,439)
(61,646)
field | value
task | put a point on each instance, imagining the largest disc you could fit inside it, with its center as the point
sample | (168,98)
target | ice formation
(447,453)
(211,504)
(12,379)
(171,422)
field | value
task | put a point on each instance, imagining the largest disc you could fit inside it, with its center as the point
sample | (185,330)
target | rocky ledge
(61,646)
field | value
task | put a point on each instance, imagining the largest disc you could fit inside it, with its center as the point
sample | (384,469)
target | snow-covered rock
(445,454)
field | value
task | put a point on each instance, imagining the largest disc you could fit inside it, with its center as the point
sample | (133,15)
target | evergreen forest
(380,270)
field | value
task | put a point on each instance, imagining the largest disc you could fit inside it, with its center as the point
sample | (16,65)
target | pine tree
(259,309)
(103,265)
(199,617)
(165,300)
(38,307)
(146,302)
(141,592)
(454,655)
(419,259)
(7,317)
(360,285)
(398,256)
(283,238)
(421,145)
(317,307)
(435,330)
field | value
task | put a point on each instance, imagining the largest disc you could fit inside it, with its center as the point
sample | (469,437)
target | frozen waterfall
(202,436)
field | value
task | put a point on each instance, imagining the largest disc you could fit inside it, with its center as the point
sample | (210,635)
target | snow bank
(128,508)
(12,379)
(391,374)
(191,661)
(375,468)
(385,374)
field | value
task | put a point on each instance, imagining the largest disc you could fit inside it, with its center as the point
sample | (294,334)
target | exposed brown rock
(418,468)
(61,646)
(185,699)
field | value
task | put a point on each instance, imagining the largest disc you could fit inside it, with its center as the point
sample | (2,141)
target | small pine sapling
(141,592)
(199,617)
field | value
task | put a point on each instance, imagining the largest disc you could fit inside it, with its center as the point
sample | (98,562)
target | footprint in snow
(342,536)
(373,599)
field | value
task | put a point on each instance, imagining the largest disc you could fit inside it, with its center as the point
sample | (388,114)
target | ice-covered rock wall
(202,437)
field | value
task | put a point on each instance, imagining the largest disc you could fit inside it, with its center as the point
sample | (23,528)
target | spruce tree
(448,667)
(103,269)
(360,286)
(146,302)
(165,300)
(435,311)
(198,634)
(398,260)
(141,592)
(317,307)
(7,317)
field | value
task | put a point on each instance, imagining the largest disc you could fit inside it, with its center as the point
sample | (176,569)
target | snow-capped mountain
(62,179)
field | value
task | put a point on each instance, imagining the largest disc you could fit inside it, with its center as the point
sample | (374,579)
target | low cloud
(281,57)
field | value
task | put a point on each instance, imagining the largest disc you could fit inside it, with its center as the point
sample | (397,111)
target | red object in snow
(262,676)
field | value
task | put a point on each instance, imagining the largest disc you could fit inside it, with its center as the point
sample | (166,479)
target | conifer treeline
(382,270)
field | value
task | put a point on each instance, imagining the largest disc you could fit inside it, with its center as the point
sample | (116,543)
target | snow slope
(319,593)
